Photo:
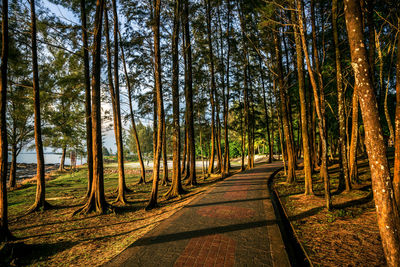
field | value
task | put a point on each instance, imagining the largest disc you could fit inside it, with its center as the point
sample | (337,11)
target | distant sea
(49,158)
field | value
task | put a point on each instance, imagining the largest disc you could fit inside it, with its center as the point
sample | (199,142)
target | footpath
(232,224)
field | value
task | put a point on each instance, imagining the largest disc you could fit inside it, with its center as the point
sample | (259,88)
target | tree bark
(189,97)
(159,98)
(96,201)
(213,87)
(142,178)
(341,100)
(291,175)
(396,176)
(176,186)
(318,107)
(308,187)
(354,139)
(5,233)
(12,181)
(164,155)
(387,211)
(40,202)
(62,162)
(88,119)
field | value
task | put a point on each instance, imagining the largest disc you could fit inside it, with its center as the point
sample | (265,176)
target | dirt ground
(346,236)
(55,237)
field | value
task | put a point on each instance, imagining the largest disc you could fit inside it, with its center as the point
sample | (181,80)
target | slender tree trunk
(62,163)
(189,96)
(396,176)
(40,202)
(386,209)
(115,109)
(291,176)
(164,155)
(159,97)
(5,234)
(308,188)
(213,87)
(96,201)
(142,178)
(318,107)
(354,139)
(382,87)
(88,119)
(176,185)
(266,113)
(12,182)
(341,99)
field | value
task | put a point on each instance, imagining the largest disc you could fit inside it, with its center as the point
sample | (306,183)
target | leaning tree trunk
(96,201)
(386,209)
(159,99)
(40,202)
(341,100)
(321,118)
(88,119)
(176,185)
(5,234)
(308,189)
(142,178)
(396,176)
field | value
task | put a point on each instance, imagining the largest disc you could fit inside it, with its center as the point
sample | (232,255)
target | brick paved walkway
(232,224)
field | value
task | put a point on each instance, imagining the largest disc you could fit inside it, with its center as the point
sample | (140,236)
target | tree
(341,102)
(159,100)
(176,185)
(96,201)
(189,96)
(88,105)
(40,202)
(5,233)
(396,175)
(386,209)
(303,106)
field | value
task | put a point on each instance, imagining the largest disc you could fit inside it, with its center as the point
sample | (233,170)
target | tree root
(39,206)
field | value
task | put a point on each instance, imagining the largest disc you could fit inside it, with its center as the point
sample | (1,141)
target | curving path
(232,224)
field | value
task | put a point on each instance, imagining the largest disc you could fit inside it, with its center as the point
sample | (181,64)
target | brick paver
(232,224)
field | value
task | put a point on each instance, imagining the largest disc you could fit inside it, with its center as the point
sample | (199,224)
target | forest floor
(55,237)
(346,236)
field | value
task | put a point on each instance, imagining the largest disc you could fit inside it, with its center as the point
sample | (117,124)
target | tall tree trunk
(142,178)
(12,181)
(308,188)
(291,175)
(226,162)
(5,234)
(176,185)
(341,100)
(270,152)
(88,119)
(189,96)
(213,86)
(96,201)
(40,202)
(386,209)
(159,99)
(396,176)
(120,145)
(318,107)
(115,107)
